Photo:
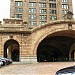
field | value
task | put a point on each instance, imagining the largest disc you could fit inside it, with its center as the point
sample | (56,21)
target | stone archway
(11,50)
(65,40)
(72,52)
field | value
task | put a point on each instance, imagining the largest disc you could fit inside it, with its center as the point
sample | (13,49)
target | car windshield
(67,73)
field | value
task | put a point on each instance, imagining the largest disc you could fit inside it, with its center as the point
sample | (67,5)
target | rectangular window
(19,10)
(52,0)
(42,22)
(32,10)
(32,16)
(52,5)
(43,5)
(43,17)
(42,0)
(32,4)
(32,0)
(64,11)
(64,0)
(65,6)
(43,11)
(52,11)
(53,18)
(18,3)
(33,23)
(18,16)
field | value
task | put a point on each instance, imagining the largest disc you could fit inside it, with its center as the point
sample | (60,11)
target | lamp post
(70,17)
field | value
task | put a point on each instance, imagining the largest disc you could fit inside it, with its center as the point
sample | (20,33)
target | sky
(5,9)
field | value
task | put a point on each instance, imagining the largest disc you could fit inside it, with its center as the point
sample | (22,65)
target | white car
(1,63)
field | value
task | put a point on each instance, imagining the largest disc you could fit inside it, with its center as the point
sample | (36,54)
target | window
(32,4)
(42,22)
(43,0)
(43,17)
(18,3)
(53,18)
(64,11)
(52,11)
(52,0)
(65,6)
(18,16)
(32,16)
(19,10)
(52,5)
(32,10)
(43,11)
(43,5)
(64,0)
(33,23)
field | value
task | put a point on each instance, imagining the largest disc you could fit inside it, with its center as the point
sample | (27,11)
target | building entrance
(11,50)
(55,48)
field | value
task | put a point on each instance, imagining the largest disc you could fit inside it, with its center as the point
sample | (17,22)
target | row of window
(20,3)
(42,11)
(33,10)
(33,17)
(42,22)
(64,0)
(43,5)
(42,17)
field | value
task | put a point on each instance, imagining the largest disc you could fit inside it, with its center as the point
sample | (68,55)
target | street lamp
(70,17)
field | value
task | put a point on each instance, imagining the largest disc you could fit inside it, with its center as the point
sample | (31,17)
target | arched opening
(73,55)
(48,53)
(54,48)
(11,50)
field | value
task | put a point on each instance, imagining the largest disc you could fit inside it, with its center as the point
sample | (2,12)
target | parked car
(6,61)
(66,71)
(1,63)
(9,61)
(3,60)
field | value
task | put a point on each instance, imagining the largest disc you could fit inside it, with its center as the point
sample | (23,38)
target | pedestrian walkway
(18,68)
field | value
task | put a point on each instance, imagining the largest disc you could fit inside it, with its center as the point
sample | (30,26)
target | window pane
(18,16)
(43,17)
(33,23)
(52,0)
(43,11)
(32,4)
(52,11)
(18,10)
(65,6)
(53,18)
(18,3)
(32,16)
(52,5)
(64,11)
(43,5)
(64,0)
(32,10)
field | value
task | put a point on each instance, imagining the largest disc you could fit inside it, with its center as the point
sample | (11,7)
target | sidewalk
(46,68)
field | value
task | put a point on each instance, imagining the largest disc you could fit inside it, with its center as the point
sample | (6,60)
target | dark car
(9,61)
(66,71)
(6,61)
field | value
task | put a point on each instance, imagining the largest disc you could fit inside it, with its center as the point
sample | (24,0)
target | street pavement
(46,68)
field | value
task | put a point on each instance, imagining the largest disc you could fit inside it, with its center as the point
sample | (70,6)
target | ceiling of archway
(68,33)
